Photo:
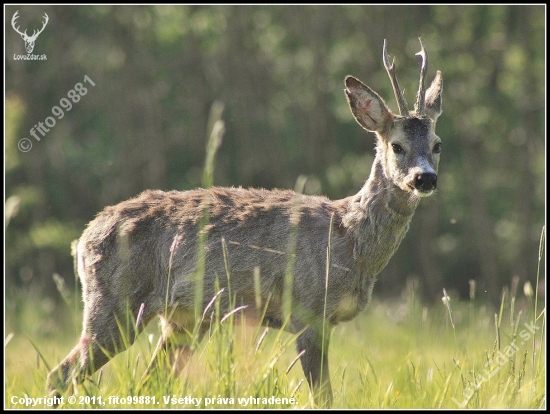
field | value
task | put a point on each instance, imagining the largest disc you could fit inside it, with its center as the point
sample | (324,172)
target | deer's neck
(377,219)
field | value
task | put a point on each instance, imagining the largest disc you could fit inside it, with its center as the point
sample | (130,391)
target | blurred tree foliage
(279,70)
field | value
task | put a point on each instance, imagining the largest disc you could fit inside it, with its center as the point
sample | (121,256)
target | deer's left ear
(433,97)
(368,108)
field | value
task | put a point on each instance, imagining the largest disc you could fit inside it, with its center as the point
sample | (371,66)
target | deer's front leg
(315,363)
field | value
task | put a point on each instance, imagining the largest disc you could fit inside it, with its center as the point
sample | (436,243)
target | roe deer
(142,256)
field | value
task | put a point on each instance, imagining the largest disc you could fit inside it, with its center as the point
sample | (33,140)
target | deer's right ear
(367,106)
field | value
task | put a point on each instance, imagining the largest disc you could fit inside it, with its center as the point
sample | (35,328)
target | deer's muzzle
(425,182)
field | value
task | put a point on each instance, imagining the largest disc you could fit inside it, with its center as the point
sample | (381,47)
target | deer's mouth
(421,192)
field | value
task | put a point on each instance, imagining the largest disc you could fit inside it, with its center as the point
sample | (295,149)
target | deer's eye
(397,149)
(437,148)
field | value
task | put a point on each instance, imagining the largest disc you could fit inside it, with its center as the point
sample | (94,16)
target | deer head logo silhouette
(29,40)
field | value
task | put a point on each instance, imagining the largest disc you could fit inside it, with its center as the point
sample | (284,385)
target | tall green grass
(398,354)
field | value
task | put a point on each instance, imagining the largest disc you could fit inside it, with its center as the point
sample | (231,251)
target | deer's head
(29,40)
(407,145)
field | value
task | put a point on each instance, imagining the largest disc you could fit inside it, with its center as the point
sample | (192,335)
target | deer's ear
(367,106)
(433,97)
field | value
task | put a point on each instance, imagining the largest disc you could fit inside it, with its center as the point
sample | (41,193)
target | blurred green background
(279,71)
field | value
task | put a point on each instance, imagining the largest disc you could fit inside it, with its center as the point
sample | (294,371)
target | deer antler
(403,108)
(13,19)
(35,32)
(420,105)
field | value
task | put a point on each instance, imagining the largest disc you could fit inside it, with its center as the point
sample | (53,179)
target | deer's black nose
(425,182)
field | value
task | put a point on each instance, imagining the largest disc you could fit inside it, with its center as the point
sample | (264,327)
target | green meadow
(397,354)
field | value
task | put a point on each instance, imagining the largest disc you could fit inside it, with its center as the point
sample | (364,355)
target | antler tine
(46,20)
(420,105)
(13,19)
(401,102)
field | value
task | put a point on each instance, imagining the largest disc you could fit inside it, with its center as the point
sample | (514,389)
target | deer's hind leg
(106,332)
